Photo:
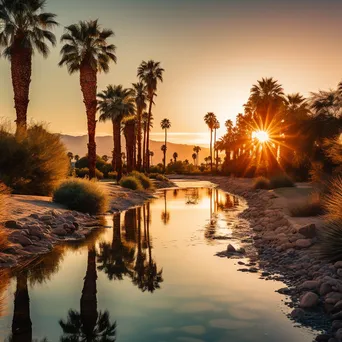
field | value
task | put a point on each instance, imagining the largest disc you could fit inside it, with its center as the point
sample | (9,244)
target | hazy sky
(212,51)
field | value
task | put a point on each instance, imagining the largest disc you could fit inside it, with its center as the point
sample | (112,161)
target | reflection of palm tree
(212,225)
(116,259)
(165,216)
(192,196)
(88,325)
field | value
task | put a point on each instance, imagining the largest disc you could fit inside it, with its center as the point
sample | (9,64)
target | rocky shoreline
(32,230)
(286,252)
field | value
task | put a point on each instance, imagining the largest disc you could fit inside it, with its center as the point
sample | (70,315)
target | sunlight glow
(261,136)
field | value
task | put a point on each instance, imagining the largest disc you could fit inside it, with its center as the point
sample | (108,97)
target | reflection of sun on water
(261,136)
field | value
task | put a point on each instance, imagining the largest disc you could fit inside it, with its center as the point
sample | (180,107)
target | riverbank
(34,224)
(286,251)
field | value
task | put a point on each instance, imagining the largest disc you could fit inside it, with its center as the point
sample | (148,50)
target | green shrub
(101,165)
(81,195)
(281,181)
(153,175)
(312,206)
(131,182)
(143,179)
(262,183)
(34,164)
(112,175)
(84,173)
(157,168)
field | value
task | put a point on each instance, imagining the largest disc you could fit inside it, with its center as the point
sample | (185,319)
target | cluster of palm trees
(296,129)
(213,124)
(26,28)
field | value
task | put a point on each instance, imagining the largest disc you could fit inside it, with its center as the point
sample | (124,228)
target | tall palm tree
(24,28)
(210,119)
(129,132)
(216,127)
(105,158)
(197,150)
(175,156)
(165,125)
(116,103)
(164,148)
(140,96)
(86,50)
(150,73)
(151,155)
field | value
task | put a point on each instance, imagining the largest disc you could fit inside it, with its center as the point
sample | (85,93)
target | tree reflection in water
(165,216)
(88,325)
(136,262)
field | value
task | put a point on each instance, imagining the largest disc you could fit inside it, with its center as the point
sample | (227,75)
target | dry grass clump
(81,195)
(131,182)
(262,183)
(33,164)
(3,233)
(143,179)
(311,206)
(333,202)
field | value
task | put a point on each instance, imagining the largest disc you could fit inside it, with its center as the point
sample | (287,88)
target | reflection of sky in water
(202,297)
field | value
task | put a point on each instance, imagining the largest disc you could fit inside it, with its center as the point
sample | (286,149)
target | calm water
(150,276)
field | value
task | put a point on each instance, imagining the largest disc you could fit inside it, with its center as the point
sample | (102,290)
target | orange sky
(213,51)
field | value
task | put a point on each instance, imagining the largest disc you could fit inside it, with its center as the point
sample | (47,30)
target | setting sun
(261,136)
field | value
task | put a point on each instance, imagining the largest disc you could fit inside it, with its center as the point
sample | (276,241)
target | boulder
(333,297)
(60,231)
(324,289)
(338,335)
(17,237)
(13,224)
(309,300)
(310,285)
(336,324)
(231,249)
(338,264)
(309,231)
(303,243)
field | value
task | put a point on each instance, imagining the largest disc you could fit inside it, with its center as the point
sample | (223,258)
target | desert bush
(162,178)
(112,175)
(281,181)
(144,180)
(312,206)
(131,182)
(33,164)
(83,173)
(333,200)
(101,165)
(261,183)
(81,195)
(157,168)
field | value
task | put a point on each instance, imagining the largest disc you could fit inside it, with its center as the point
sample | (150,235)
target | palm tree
(70,156)
(175,156)
(194,157)
(210,120)
(150,73)
(151,155)
(165,125)
(116,103)
(24,28)
(197,149)
(140,96)
(86,50)
(216,127)
(77,158)
(105,158)
(164,148)
(129,132)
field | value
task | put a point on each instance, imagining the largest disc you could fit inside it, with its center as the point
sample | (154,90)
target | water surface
(152,275)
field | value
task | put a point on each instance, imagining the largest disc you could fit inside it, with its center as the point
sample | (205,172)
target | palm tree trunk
(144,147)
(148,134)
(88,81)
(117,149)
(129,132)
(21,69)
(165,150)
(113,155)
(211,150)
(89,312)
(139,140)
(21,324)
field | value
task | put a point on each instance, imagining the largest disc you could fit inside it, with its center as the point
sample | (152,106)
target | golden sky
(212,51)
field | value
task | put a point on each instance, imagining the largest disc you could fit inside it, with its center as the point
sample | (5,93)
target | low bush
(33,164)
(143,179)
(84,173)
(81,195)
(131,182)
(157,168)
(112,175)
(101,165)
(312,206)
(262,183)
(281,181)
(162,178)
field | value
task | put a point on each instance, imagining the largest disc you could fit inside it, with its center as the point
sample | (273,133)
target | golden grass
(333,202)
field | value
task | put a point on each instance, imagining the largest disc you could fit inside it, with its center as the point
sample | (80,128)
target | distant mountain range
(78,145)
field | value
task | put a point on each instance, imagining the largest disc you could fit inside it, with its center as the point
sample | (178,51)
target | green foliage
(131,182)
(281,181)
(34,164)
(181,167)
(81,195)
(143,179)
(312,206)
(157,168)
(101,165)
(84,173)
(262,183)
